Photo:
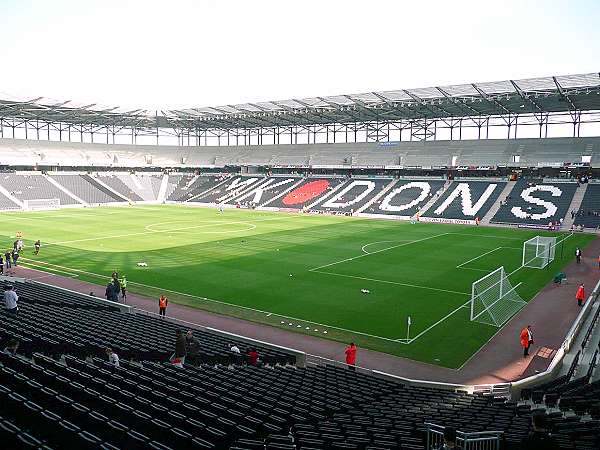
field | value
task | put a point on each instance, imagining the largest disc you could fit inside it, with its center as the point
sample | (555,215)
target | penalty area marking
(364,247)
(315,269)
(418,286)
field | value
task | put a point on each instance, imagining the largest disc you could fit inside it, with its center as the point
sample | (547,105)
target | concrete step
(496,206)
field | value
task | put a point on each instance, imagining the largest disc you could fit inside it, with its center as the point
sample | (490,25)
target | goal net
(41,203)
(494,300)
(538,252)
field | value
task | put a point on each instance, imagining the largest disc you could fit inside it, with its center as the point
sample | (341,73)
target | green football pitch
(304,273)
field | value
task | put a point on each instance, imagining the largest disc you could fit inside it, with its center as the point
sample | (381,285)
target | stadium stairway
(14,202)
(109,188)
(496,206)
(162,192)
(435,197)
(65,190)
(377,197)
(574,206)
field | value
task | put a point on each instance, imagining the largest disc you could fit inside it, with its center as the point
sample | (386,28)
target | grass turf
(242,262)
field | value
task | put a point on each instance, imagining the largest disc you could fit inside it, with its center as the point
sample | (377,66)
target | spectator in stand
(163,302)
(539,438)
(449,439)
(11,347)
(580,295)
(526,338)
(253,357)
(236,355)
(10,299)
(113,358)
(192,345)
(351,356)
(178,358)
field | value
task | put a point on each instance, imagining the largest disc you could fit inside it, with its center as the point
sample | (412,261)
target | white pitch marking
(364,247)
(217,301)
(477,257)
(99,238)
(438,322)
(376,251)
(391,282)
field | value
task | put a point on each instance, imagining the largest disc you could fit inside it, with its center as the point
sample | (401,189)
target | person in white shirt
(234,349)
(10,299)
(113,358)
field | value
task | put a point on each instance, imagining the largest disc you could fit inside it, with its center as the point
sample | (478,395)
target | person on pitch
(578,255)
(37,246)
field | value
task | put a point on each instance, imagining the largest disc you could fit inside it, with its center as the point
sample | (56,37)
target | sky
(179,53)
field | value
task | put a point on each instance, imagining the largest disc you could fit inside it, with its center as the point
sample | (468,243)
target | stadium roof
(568,93)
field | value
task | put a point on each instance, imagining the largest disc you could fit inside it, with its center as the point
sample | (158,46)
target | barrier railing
(482,440)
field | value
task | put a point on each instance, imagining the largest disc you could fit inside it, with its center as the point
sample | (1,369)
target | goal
(494,300)
(41,203)
(538,252)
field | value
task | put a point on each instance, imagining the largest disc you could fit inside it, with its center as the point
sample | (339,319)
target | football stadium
(410,269)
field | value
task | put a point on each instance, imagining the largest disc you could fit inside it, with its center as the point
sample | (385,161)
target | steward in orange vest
(526,338)
(163,302)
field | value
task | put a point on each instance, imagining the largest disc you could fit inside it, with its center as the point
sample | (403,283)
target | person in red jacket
(253,357)
(526,338)
(580,296)
(351,356)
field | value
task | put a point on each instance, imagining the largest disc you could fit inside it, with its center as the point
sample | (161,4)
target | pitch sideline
(51,265)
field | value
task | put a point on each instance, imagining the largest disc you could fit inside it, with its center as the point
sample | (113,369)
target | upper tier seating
(532,152)
(32,187)
(589,211)
(522,205)
(86,188)
(406,193)
(466,200)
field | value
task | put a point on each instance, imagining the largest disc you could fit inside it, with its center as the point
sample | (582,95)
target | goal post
(494,300)
(538,252)
(41,204)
